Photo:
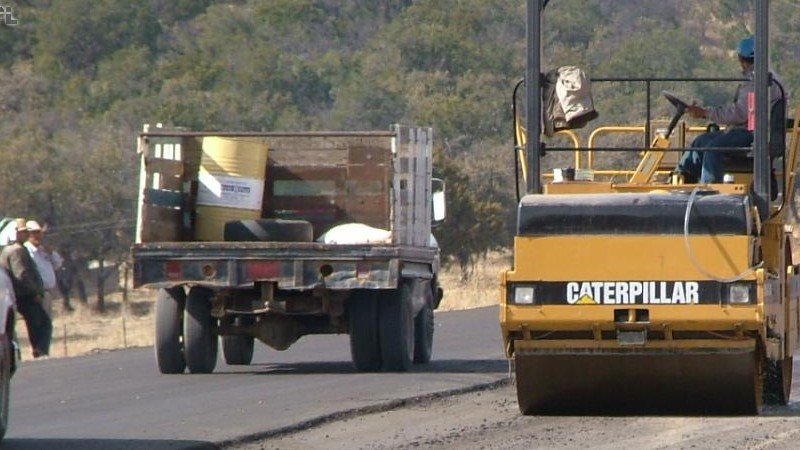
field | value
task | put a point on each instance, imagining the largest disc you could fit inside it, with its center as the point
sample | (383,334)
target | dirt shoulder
(490,420)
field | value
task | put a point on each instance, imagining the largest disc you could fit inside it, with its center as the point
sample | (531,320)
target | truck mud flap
(634,383)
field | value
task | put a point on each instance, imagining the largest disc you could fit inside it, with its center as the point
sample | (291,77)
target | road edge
(362,411)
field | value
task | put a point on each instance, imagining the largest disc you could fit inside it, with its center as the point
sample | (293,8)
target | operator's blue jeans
(709,167)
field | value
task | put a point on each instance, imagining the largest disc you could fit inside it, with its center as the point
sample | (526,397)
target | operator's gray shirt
(735,114)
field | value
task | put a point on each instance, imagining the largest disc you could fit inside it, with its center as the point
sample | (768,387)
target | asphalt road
(118,400)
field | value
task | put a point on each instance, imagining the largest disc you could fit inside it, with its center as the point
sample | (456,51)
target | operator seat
(740,162)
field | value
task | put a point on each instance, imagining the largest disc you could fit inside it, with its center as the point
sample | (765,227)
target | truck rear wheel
(423,335)
(200,342)
(238,349)
(396,320)
(169,330)
(365,349)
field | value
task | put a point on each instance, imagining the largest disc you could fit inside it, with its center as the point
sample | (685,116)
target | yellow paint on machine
(625,258)
(628,257)
(601,318)
(231,184)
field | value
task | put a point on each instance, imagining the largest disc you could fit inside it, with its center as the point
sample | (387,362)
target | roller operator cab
(641,291)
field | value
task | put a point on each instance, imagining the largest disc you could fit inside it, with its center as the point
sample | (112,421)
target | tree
(471,222)
(75,35)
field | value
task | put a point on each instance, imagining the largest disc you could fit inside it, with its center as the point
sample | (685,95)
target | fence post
(124,332)
(65,340)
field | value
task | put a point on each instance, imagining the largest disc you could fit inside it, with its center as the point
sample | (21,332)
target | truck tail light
(263,270)
(173,270)
(363,269)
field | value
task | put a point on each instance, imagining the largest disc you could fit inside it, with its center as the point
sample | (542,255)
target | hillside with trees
(82,77)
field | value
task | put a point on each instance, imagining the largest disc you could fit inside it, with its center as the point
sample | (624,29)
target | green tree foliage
(75,35)
(170,11)
(472,219)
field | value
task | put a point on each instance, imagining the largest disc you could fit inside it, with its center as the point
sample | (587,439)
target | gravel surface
(490,420)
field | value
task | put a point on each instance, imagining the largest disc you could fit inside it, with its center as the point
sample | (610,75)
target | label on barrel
(228,191)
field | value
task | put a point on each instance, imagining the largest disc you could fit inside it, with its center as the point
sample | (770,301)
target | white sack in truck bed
(356,233)
(359,233)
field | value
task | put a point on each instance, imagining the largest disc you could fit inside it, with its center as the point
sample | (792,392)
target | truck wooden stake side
(273,236)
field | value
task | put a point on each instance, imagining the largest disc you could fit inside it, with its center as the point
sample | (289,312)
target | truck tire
(365,349)
(200,341)
(169,330)
(275,230)
(238,349)
(396,320)
(423,335)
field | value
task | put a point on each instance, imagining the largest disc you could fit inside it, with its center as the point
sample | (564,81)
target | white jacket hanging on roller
(567,98)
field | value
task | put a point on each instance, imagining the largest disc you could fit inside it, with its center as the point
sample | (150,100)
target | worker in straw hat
(28,289)
(47,261)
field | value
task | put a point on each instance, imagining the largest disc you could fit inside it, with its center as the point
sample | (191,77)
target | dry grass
(481,289)
(86,330)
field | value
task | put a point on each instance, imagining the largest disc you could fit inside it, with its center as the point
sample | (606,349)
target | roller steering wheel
(676,102)
(680,109)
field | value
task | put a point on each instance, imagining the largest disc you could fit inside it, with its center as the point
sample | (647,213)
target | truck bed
(292,265)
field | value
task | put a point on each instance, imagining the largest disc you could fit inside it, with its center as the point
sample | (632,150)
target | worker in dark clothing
(29,290)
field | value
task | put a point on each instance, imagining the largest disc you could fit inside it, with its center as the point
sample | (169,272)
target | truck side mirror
(438,203)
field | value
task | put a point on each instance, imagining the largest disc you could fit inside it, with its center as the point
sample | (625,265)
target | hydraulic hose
(747,272)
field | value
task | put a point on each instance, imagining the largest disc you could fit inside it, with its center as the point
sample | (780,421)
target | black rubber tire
(169,330)
(423,335)
(6,362)
(365,349)
(778,382)
(274,230)
(238,349)
(778,374)
(396,321)
(200,341)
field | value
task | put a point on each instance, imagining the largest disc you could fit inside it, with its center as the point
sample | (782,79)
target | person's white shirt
(44,264)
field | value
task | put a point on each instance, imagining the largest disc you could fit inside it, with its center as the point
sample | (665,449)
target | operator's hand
(696,111)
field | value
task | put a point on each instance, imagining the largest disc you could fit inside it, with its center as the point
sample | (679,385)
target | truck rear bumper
(295,266)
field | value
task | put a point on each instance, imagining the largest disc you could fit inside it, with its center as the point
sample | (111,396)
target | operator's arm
(732,113)
(735,113)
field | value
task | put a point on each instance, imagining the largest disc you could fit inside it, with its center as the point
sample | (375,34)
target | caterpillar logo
(633,292)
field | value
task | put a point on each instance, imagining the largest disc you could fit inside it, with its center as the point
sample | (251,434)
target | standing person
(29,290)
(46,261)
(69,275)
(709,166)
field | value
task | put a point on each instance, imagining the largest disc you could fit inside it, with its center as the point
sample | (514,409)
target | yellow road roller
(639,291)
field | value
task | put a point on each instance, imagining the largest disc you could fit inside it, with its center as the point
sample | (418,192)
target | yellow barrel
(230,184)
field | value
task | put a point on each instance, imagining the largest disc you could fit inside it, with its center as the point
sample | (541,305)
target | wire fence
(127,321)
